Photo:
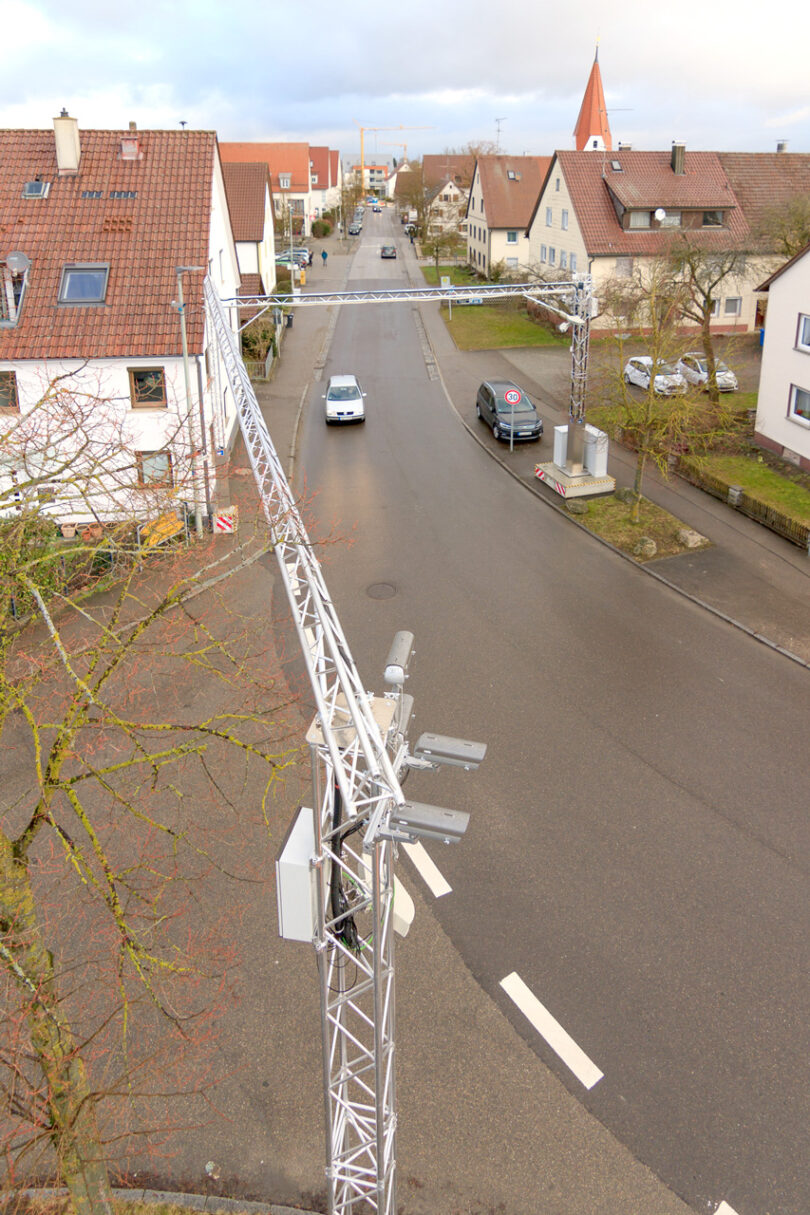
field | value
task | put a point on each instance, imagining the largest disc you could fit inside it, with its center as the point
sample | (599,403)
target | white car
(668,380)
(694,367)
(345,400)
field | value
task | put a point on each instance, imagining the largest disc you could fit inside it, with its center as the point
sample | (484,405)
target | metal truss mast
(359,750)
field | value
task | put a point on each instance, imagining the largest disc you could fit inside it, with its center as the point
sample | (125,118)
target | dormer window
(84,284)
(284,180)
(712,219)
(639,219)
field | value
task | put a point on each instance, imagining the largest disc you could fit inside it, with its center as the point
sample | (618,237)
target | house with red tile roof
(447,181)
(289,168)
(610,214)
(250,202)
(93,226)
(326,177)
(783,402)
(502,195)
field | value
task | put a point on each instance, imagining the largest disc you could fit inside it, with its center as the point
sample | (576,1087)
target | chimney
(68,152)
(782,145)
(130,147)
(678,157)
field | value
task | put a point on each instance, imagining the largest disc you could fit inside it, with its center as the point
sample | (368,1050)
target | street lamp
(195,487)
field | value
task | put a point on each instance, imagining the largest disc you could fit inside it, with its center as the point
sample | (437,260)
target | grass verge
(489,327)
(610,518)
(758,480)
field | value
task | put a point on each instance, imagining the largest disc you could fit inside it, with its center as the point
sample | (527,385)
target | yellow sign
(160,529)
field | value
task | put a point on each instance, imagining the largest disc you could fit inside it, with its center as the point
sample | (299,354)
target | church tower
(592,131)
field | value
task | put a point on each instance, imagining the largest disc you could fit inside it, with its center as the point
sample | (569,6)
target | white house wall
(784,365)
(549,241)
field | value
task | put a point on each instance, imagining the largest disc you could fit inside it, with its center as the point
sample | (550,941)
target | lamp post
(195,488)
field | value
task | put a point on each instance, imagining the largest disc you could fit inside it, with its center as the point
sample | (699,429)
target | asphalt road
(639,845)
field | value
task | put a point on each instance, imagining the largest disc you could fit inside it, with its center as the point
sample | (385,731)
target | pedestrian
(324,256)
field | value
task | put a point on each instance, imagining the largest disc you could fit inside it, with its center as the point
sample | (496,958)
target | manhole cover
(381,590)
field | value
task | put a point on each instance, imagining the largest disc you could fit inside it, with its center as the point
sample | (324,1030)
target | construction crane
(404,147)
(362,144)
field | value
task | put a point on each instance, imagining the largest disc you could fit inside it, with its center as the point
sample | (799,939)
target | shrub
(321,227)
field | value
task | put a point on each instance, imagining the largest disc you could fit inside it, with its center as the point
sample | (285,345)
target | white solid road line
(560,1042)
(427,870)
(725,1209)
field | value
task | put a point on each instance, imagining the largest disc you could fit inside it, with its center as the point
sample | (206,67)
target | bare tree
(139,731)
(785,227)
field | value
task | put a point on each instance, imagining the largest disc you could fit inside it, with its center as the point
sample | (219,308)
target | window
(557,185)
(147,387)
(639,219)
(552,255)
(712,219)
(154,467)
(563,259)
(84,284)
(543,253)
(314,179)
(715,308)
(284,180)
(12,289)
(123,193)
(92,194)
(511,238)
(799,410)
(511,175)
(624,267)
(564,221)
(803,339)
(672,219)
(8,390)
(549,217)
(572,263)
(733,305)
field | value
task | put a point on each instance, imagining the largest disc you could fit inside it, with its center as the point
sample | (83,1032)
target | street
(639,846)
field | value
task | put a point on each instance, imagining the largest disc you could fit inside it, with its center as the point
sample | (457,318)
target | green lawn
(459,275)
(490,327)
(761,482)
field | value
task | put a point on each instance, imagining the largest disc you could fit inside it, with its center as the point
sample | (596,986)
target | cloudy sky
(716,74)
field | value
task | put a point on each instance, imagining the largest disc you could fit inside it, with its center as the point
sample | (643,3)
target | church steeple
(592,131)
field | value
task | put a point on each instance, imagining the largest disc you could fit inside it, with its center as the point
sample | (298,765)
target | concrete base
(568,486)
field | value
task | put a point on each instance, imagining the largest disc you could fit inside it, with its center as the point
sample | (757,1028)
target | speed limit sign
(512,396)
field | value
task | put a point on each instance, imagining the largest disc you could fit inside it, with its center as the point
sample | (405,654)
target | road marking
(725,1209)
(429,873)
(560,1042)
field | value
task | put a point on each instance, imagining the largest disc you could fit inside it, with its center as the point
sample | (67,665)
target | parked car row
(673,378)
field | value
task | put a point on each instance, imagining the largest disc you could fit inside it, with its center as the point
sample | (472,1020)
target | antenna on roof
(498,122)
(183,123)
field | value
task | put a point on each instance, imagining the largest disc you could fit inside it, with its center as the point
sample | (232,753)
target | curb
(196,1202)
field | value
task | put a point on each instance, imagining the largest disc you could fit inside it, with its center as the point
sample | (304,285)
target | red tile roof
(508,202)
(646,181)
(762,180)
(246,188)
(141,238)
(593,120)
(334,167)
(320,161)
(292,158)
(439,169)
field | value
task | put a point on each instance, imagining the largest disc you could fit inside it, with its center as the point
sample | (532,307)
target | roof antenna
(183,123)
(498,122)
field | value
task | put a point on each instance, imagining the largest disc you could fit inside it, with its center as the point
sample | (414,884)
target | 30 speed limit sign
(512,396)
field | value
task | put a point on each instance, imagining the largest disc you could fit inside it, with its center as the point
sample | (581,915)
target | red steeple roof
(592,124)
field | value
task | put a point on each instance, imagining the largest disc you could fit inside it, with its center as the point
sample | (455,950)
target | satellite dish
(660,214)
(18,262)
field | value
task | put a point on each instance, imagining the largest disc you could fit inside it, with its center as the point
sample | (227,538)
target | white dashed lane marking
(429,873)
(557,1038)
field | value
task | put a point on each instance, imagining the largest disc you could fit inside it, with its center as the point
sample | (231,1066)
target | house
(502,195)
(447,180)
(611,213)
(102,233)
(326,180)
(250,202)
(374,177)
(289,168)
(783,404)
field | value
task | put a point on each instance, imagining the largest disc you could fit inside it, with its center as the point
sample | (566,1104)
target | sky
(714,74)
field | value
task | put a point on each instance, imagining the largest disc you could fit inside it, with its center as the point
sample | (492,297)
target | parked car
(694,367)
(499,402)
(296,258)
(302,251)
(377,208)
(668,380)
(388,251)
(355,229)
(345,400)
